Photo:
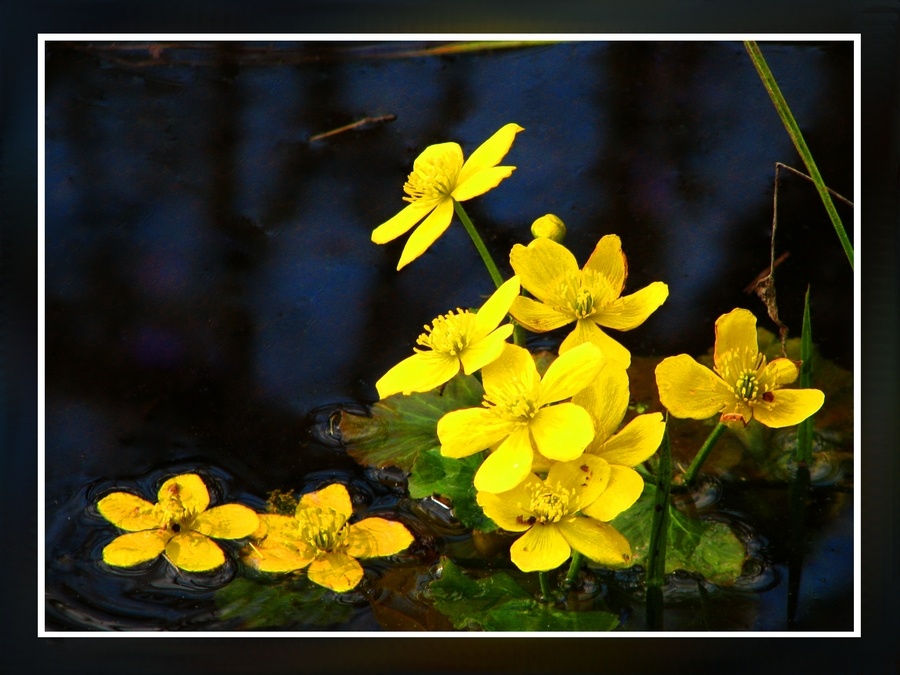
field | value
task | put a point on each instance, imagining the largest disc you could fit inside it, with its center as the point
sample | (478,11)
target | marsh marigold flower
(461,340)
(550,514)
(179,524)
(742,386)
(319,538)
(606,400)
(518,420)
(589,297)
(440,177)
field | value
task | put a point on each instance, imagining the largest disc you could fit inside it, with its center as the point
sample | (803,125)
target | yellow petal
(228,521)
(275,525)
(598,541)
(609,260)
(487,350)
(189,488)
(489,153)
(194,552)
(507,509)
(374,537)
(128,512)
(586,331)
(538,317)
(403,221)
(276,559)
(606,400)
(736,332)
(634,444)
(789,407)
(570,373)
(561,432)
(482,182)
(135,548)
(495,308)
(541,267)
(422,371)
(334,497)
(470,430)
(585,478)
(688,389)
(540,549)
(624,487)
(515,364)
(632,310)
(779,372)
(427,232)
(337,571)
(507,466)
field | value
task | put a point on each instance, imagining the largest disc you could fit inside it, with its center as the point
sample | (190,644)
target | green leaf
(704,547)
(498,603)
(401,427)
(434,474)
(291,601)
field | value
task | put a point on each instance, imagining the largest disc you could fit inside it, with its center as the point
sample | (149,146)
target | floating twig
(364,123)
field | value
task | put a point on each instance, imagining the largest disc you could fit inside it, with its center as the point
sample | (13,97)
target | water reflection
(210,282)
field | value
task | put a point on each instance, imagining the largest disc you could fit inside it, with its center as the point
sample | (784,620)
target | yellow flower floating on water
(606,400)
(179,524)
(518,418)
(319,538)
(440,177)
(589,297)
(550,513)
(461,340)
(742,386)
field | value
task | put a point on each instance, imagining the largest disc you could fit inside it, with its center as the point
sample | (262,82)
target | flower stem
(793,129)
(574,567)
(545,586)
(479,244)
(688,478)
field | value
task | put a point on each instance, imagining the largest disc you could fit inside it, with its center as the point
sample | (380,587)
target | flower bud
(549,227)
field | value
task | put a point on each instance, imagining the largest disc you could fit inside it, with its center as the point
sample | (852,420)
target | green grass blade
(805,430)
(793,130)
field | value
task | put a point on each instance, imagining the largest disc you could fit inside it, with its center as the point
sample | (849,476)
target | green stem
(688,478)
(479,244)
(793,130)
(659,527)
(574,567)
(543,578)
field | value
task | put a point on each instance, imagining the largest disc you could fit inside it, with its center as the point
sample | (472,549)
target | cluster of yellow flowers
(558,467)
(318,537)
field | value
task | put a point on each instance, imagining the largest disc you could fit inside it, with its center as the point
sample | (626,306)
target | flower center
(512,401)
(584,292)
(432,177)
(173,515)
(323,528)
(547,505)
(449,333)
(741,368)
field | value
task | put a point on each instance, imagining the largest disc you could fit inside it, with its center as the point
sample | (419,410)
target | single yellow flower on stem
(518,418)
(179,524)
(589,297)
(550,513)
(463,340)
(742,385)
(319,538)
(606,400)
(439,178)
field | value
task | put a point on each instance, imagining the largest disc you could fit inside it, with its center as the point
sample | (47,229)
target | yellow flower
(606,400)
(319,538)
(743,385)
(518,418)
(440,177)
(179,524)
(590,297)
(461,340)
(547,511)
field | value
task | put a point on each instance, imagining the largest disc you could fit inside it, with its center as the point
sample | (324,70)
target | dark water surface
(212,291)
